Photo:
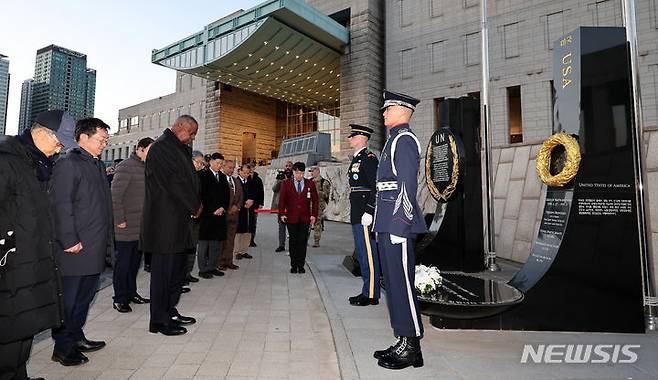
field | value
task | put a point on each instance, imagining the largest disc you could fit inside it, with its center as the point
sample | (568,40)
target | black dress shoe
(191,278)
(365,301)
(86,345)
(293,270)
(233,266)
(72,358)
(185,290)
(166,330)
(122,307)
(406,354)
(182,320)
(217,272)
(35,378)
(247,256)
(301,270)
(355,298)
(253,244)
(280,249)
(206,275)
(139,300)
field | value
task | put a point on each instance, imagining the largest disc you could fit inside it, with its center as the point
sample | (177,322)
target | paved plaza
(261,322)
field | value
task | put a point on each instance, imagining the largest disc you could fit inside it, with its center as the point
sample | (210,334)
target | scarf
(44,165)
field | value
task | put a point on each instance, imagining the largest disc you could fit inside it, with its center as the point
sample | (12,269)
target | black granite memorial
(584,270)
(452,168)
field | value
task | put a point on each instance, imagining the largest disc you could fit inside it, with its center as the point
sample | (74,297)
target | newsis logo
(580,353)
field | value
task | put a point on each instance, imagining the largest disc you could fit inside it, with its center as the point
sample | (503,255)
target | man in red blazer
(298,208)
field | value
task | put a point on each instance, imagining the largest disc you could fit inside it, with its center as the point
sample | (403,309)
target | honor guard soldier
(362,175)
(397,222)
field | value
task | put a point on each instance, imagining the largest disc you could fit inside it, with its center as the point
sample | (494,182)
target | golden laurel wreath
(570,169)
(447,193)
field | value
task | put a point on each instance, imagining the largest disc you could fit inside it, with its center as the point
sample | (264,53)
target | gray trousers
(208,253)
(282,233)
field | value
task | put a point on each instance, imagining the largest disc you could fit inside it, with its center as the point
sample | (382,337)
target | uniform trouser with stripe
(366,247)
(399,269)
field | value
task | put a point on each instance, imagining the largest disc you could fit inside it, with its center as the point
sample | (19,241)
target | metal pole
(638,165)
(490,259)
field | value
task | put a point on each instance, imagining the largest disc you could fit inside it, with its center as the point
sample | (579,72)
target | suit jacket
(235,199)
(214,194)
(245,218)
(298,207)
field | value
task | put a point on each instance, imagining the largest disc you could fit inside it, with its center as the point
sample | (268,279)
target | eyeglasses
(54,137)
(101,141)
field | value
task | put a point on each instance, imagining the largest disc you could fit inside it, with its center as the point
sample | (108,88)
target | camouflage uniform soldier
(324,190)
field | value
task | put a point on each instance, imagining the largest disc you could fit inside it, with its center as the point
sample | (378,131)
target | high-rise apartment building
(26,105)
(4,92)
(62,81)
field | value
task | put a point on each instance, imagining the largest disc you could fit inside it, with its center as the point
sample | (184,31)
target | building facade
(430,49)
(150,118)
(62,81)
(4,92)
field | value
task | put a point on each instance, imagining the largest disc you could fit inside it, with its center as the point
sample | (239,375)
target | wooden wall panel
(242,111)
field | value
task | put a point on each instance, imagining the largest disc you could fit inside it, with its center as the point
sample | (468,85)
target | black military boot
(407,353)
(381,354)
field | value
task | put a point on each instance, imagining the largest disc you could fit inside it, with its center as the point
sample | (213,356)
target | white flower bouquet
(428,280)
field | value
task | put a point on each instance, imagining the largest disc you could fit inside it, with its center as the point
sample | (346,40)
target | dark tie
(299,187)
(230,183)
(217,176)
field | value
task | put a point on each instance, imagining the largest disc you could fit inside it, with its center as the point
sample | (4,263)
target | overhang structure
(284,49)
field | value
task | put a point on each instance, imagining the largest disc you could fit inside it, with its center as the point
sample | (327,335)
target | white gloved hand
(395,239)
(366,219)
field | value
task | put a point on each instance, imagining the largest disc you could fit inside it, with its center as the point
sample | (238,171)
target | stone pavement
(261,322)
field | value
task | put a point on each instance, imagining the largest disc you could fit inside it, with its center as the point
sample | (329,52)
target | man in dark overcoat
(30,293)
(172,199)
(83,220)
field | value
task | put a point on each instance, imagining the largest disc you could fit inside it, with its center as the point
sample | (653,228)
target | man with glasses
(30,300)
(83,223)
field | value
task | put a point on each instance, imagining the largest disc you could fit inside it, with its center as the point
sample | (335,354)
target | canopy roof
(284,49)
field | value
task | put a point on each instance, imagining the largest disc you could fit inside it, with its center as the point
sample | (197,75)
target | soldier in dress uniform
(397,222)
(362,175)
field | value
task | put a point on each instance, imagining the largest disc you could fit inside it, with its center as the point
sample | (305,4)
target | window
(514,114)
(406,7)
(436,9)
(472,49)
(511,40)
(123,123)
(607,13)
(471,3)
(437,56)
(134,120)
(406,63)
(554,28)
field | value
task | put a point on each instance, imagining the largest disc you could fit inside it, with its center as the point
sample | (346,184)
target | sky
(117,36)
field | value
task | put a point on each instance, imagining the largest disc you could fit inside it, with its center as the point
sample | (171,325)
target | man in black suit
(172,200)
(212,231)
(259,190)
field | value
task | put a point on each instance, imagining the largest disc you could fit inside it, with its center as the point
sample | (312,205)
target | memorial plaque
(442,164)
